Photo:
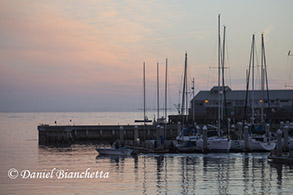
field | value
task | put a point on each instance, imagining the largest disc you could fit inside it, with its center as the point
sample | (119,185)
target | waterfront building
(204,105)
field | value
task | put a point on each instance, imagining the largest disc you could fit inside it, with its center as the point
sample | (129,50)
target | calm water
(145,174)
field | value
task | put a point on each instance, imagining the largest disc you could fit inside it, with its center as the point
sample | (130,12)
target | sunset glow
(88,55)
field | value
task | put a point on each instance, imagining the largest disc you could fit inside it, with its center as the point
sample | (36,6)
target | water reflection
(160,162)
(188,174)
(279,168)
(116,161)
(214,173)
(46,149)
(182,173)
(233,173)
(144,177)
(245,166)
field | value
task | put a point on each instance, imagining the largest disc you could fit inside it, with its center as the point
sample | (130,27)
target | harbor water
(44,170)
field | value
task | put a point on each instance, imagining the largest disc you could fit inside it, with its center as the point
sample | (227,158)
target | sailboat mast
(144,102)
(193,114)
(144,94)
(262,78)
(247,81)
(252,82)
(186,96)
(223,81)
(184,88)
(219,74)
(224,93)
(267,84)
(166,81)
(158,92)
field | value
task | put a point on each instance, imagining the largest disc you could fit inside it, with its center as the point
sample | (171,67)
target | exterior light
(260,101)
(206,101)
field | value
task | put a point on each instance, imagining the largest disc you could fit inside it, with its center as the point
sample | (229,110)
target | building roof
(240,94)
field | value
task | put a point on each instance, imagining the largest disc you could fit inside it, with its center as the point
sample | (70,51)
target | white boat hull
(219,145)
(237,145)
(187,144)
(186,147)
(216,144)
(254,145)
(261,146)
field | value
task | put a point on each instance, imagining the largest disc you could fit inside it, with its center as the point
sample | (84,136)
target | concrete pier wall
(90,134)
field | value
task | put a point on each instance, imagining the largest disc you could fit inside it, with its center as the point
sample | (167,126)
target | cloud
(45,51)
(267,31)
(97,48)
(46,46)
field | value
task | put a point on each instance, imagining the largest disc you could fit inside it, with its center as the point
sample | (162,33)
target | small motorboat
(122,151)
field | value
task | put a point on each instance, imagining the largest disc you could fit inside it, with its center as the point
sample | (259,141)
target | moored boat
(186,141)
(260,143)
(215,143)
(237,145)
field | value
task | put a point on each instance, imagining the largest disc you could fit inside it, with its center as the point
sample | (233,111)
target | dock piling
(205,137)
(286,147)
(158,136)
(149,133)
(279,142)
(229,126)
(240,126)
(162,135)
(121,135)
(135,136)
(178,127)
(282,124)
(246,144)
(268,133)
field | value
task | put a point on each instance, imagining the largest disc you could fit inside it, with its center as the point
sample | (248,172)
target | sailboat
(163,119)
(216,142)
(256,141)
(186,141)
(260,142)
(145,119)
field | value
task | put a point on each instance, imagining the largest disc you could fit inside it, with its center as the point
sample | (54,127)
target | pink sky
(88,55)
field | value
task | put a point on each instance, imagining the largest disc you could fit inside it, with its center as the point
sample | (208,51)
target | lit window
(206,101)
(260,101)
